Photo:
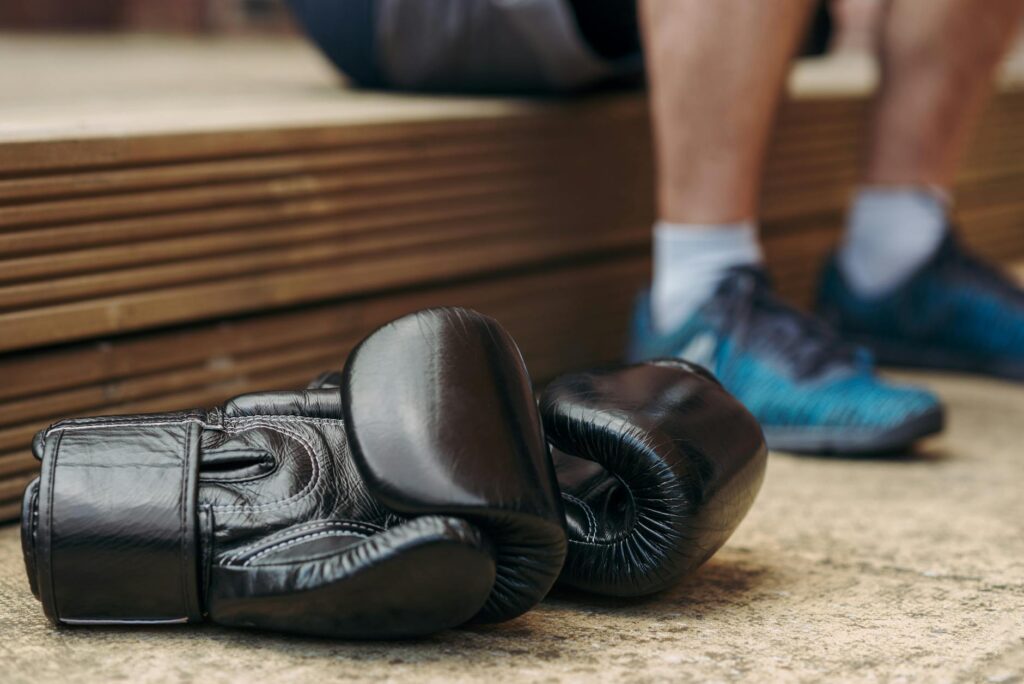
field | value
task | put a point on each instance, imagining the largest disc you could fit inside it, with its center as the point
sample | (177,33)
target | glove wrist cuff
(109,531)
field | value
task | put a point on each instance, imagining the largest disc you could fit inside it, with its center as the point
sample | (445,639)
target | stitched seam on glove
(591,536)
(124,422)
(34,526)
(316,524)
(247,423)
(127,423)
(604,544)
(183,540)
(314,457)
(49,526)
(304,538)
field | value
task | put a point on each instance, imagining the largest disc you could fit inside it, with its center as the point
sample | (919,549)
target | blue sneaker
(955,313)
(810,390)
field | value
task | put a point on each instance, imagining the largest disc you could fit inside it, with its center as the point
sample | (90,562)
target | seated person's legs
(716,72)
(901,283)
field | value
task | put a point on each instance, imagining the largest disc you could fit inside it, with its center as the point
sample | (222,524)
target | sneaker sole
(855,441)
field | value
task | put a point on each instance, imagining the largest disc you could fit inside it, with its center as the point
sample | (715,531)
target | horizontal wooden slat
(13,486)
(313,245)
(562,317)
(151,260)
(17,463)
(10,510)
(159,233)
(356,157)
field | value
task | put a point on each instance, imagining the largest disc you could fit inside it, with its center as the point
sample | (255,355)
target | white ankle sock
(890,232)
(690,260)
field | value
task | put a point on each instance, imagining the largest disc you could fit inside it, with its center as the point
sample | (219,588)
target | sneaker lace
(808,344)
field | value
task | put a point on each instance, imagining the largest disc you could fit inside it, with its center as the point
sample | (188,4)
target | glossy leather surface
(441,416)
(278,532)
(84,537)
(261,511)
(665,464)
(657,464)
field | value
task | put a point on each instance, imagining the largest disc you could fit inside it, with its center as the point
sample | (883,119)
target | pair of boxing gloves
(411,492)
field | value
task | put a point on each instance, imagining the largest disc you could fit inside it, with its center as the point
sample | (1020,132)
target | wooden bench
(184,220)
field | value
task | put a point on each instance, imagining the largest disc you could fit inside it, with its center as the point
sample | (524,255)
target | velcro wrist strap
(116,540)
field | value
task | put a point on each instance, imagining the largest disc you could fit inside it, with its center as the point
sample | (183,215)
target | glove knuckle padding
(450,386)
(658,465)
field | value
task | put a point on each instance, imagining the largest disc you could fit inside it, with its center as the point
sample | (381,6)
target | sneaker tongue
(801,342)
(747,278)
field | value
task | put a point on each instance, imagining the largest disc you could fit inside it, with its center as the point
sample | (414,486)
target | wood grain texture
(562,318)
(184,220)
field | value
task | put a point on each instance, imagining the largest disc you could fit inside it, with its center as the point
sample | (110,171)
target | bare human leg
(903,284)
(938,58)
(715,72)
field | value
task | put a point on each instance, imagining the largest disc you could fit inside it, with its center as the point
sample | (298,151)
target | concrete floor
(902,569)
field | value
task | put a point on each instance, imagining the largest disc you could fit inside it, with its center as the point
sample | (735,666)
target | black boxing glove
(657,463)
(432,503)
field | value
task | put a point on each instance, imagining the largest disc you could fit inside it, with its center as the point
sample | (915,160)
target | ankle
(690,261)
(890,233)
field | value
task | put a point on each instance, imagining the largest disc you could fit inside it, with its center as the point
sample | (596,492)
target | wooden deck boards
(183,220)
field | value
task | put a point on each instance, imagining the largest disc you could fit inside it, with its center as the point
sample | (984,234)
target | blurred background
(854,19)
(181,16)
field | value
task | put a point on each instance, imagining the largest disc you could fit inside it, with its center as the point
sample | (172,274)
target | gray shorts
(459,45)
